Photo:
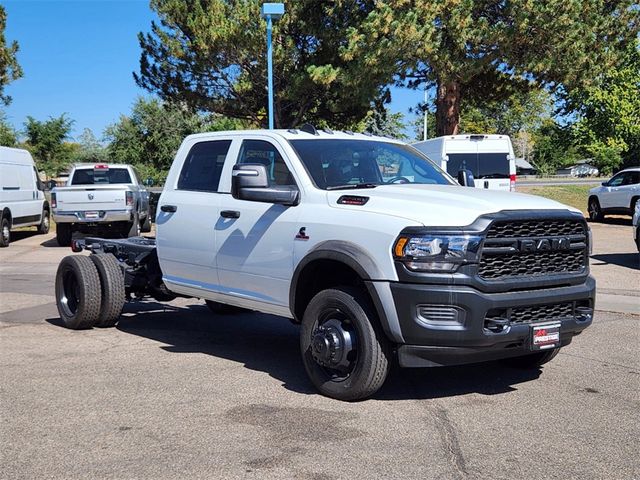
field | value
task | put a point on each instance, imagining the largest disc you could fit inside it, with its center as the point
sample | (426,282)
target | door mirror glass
(465,178)
(250,182)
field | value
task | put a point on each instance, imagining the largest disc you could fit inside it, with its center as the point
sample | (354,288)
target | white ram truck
(374,250)
(98,198)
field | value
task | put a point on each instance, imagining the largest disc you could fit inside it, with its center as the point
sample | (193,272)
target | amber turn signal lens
(399,248)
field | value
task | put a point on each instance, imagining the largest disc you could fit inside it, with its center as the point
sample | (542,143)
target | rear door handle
(230,214)
(169,208)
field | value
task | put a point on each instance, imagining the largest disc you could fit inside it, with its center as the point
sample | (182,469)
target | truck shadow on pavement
(269,344)
(629,260)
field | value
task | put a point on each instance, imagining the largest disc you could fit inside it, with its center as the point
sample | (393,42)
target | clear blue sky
(78,58)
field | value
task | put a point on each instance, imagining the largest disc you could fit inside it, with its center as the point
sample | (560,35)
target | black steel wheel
(344,352)
(595,212)
(5,232)
(78,292)
(112,288)
(533,360)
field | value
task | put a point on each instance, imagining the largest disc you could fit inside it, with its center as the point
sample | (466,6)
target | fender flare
(360,261)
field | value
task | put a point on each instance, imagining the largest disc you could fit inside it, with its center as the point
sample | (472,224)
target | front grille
(541,313)
(535,228)
(497,320)
(503,255)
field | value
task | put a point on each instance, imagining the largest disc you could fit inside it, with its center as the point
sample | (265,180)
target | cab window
(264,153)
(203,166)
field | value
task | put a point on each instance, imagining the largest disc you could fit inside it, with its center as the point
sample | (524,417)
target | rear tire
(344,353)
(45,223)
(5,232)
(64,233)
(134,226)
(533,360)
(595,212)
(146,225)
(112,287)
(78,292)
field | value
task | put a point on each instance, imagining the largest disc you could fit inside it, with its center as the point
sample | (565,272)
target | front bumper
(467,339)
(103,216)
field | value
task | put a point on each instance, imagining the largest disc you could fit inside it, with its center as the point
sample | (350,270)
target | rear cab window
(101,176)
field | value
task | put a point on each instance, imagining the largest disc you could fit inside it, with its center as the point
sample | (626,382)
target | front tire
(533,360)
(344,353)
(78,292)
(5,232)
(64,233)
(112,287)
(595,212)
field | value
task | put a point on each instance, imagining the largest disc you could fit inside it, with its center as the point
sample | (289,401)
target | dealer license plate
(91,215)
(545,336)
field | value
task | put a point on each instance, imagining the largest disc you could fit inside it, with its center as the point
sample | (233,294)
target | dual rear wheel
(89,291)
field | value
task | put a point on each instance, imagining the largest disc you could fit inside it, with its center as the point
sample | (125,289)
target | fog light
(440,315)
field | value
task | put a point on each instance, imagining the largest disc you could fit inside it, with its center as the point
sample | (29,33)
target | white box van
(22,200)
(489,157)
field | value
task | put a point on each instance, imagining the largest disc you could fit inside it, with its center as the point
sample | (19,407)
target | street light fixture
(270,12)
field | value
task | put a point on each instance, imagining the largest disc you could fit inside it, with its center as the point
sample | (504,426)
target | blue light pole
(270,12)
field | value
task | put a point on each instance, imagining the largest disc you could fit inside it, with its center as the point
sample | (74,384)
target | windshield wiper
(352,186)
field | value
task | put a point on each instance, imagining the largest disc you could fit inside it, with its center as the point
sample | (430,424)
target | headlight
(434,252)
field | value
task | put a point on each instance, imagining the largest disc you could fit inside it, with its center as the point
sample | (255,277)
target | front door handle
(169,208)
(230,214)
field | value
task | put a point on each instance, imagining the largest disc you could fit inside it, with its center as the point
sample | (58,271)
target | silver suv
(618,196)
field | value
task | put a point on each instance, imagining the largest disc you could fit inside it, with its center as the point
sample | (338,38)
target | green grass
(574,195)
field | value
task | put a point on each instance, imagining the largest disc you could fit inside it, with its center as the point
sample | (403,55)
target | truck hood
(441,205)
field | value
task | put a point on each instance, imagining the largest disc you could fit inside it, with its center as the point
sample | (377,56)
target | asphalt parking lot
(175,392)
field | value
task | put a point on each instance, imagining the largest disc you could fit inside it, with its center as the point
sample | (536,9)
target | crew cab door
(255,239)
(187,215)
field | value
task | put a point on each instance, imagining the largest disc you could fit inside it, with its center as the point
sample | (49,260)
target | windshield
(482,165)
(89,176)
(346,163)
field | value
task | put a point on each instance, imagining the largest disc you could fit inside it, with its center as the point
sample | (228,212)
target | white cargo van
(22,200)
(489,157)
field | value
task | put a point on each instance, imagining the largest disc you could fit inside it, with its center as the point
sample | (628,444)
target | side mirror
(251,182)
(605,184)
(465,178)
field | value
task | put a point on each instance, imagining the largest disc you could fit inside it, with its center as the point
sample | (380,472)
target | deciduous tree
(46,140)
(150,136)
(608,126)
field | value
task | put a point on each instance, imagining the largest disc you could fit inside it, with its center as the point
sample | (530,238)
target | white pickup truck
(374,250)
(100,197)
